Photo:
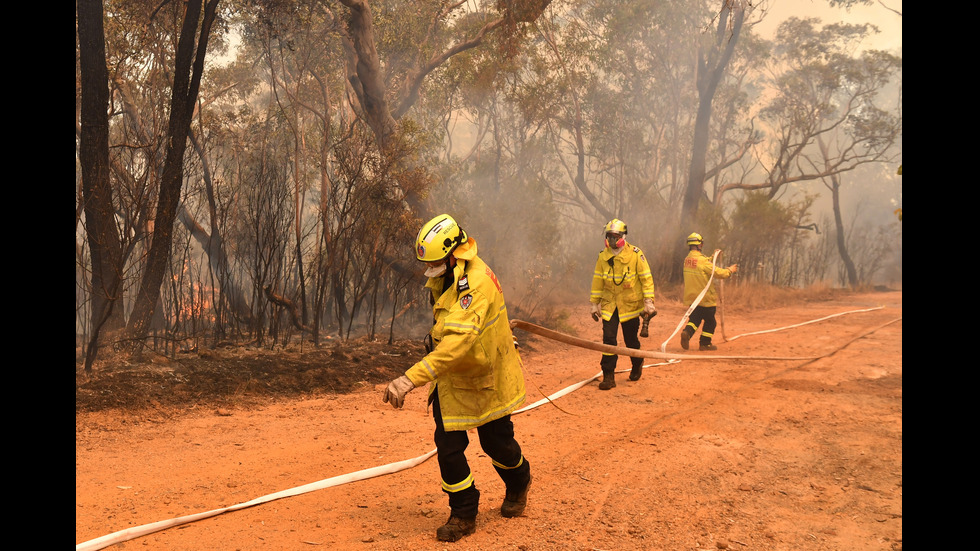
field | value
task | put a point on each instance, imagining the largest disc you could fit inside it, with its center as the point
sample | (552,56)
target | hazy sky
(887,21)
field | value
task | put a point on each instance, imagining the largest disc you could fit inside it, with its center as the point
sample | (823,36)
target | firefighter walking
(622,291)
(698,268)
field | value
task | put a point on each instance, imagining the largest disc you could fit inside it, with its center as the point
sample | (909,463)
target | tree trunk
(213,243)
(711,67)
(845,257)
(100,227)
(367,80)
(189,67)
(367,68)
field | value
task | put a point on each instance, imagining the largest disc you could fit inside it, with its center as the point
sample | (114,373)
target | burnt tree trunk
(189,67)
(100,227)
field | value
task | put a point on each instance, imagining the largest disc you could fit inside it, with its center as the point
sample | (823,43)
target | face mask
(436,271)
(614,241)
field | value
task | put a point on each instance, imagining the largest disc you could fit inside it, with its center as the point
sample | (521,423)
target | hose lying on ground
(634,352)
(804,323)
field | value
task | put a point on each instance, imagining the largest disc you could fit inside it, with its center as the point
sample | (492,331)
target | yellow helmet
(438,238)
(616,226)
(695,239)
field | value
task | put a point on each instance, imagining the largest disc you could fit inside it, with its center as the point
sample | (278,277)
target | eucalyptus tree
(138,43)
(830,114)
(197,20)
(93,152)
(349,76)
(301,52)
(621,115)
(132,43)
(261,231)
(714,57)
(382,94)
(608,85)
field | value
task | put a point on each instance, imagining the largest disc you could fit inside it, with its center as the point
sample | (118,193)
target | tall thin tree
(712,63)
(188,69)
(93,154)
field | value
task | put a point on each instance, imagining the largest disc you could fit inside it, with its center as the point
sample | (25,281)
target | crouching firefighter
(475,371)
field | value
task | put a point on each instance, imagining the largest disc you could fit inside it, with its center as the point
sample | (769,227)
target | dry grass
(749,297)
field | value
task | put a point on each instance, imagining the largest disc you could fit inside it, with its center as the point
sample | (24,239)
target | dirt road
(742,454)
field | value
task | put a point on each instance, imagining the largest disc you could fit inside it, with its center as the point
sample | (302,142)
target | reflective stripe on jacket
(621,281)
(697,270)
(476,368)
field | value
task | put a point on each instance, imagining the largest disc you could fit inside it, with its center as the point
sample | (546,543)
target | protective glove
(733,268)
(649,310)
(596,313)
(396,391)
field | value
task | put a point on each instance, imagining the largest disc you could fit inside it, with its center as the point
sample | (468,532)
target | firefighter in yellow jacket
(622,290)
(697,270)
(475,370)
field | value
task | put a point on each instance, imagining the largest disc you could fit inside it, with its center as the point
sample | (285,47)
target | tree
(713,60)
(833,97)
(364,64)
(188,69)
(848,4)
(595,116)
(100,225)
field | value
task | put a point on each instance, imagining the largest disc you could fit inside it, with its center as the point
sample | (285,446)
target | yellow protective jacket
(697,270)
(475,366)
(621,281)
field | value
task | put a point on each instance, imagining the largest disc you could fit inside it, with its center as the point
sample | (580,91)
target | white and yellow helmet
(615,226)
(438,238)
(695,239)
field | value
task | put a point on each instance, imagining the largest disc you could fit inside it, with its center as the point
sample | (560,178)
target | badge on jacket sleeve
(465,302)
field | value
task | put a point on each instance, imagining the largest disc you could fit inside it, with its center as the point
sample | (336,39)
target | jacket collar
(623,255)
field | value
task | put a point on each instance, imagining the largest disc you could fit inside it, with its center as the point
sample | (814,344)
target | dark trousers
(706,314)
(631,337)
(497,440)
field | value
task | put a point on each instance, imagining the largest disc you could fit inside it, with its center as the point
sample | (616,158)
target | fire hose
(633,352)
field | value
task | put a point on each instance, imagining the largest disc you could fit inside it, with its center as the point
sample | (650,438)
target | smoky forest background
(257,170)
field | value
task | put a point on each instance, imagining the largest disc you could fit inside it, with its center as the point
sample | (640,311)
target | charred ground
(238,376)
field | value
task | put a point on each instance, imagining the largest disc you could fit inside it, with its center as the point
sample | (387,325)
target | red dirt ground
(745,454)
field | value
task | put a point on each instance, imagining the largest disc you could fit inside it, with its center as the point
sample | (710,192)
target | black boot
(686,338)
(608,380)
(515,502)
(455,528)
(636,372)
